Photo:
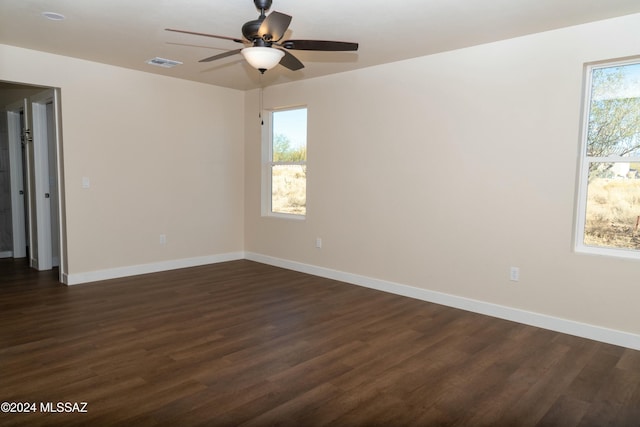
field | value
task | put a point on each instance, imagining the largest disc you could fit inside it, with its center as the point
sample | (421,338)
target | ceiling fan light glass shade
(262,58)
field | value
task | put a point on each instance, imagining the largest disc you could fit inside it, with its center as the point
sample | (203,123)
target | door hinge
(26,136)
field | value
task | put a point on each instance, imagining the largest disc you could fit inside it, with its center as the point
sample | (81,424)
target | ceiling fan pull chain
(260,102)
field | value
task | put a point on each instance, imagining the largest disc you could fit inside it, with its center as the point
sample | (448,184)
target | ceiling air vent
(164,63)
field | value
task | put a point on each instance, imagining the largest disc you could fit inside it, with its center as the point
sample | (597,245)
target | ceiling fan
(264,45)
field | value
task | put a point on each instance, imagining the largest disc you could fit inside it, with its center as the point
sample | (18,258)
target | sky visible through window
(293,125)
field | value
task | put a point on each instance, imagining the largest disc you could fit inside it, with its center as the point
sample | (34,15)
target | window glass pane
(614,112)
(289,189)
(290,135)
(613,206)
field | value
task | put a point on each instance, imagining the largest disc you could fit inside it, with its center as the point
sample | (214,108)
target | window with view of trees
(286,163)
(609,205)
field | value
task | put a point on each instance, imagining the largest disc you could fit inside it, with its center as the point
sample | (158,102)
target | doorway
(34,137)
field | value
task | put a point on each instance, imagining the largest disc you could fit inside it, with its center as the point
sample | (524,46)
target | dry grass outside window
(289,189)
(613,209)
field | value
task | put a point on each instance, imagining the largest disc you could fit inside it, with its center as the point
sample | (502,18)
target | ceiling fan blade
(220,55)
(274,26)
(329,46)
(291,62)
(235,39)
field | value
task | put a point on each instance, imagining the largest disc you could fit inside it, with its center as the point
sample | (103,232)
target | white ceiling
(129,32)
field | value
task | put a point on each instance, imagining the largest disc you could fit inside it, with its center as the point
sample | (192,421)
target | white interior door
(45,252)
(16,126)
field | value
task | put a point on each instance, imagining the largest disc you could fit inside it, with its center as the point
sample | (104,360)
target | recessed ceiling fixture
(164,63)
(53,16)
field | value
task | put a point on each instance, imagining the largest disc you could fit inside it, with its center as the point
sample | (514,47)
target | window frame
(583,166)
(268,164)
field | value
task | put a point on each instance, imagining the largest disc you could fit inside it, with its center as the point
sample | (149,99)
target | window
(609,203)
(285,165)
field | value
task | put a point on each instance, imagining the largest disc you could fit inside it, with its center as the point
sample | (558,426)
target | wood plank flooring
(241,343)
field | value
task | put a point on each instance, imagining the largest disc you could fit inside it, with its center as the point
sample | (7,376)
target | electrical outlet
(318,242)
(163,239)
(514,274)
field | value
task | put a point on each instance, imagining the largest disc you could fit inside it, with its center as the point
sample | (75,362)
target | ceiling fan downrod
(263,6)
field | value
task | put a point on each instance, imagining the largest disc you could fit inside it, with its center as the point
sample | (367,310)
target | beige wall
(163,156)
(443,171)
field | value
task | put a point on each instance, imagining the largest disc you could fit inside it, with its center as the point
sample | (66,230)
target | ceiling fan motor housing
(250,29)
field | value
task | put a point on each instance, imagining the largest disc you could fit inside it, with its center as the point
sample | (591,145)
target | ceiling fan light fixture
(262,58)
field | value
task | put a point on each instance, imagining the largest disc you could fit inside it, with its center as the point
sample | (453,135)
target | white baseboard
(597,333)
(134,270)
(6,254)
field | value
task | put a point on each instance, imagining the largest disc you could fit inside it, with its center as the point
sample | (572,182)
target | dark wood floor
(242,343)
